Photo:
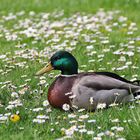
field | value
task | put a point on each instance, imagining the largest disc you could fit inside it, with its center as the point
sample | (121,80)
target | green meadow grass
(25,128)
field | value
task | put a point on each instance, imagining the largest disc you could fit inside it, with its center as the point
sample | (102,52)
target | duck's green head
(63,61)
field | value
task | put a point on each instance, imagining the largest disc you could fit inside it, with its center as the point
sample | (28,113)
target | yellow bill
(46,69)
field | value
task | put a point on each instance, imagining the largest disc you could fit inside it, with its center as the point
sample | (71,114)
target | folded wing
(103,89)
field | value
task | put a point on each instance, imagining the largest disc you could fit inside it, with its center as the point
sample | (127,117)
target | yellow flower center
(15,118)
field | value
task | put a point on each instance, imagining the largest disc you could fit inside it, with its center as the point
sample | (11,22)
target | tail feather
(136,82)
(136,94)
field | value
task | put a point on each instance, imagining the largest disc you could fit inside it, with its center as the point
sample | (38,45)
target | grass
(127,115)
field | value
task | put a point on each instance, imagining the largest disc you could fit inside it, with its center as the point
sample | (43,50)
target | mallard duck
(79,89)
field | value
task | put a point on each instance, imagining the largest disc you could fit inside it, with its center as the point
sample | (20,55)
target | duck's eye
(57,58)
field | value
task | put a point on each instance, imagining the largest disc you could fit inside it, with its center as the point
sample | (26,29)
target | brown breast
(58,89)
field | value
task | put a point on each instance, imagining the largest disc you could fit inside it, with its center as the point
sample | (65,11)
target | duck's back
(101,88)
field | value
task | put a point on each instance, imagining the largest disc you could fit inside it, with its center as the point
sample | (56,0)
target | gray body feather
(102,89)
